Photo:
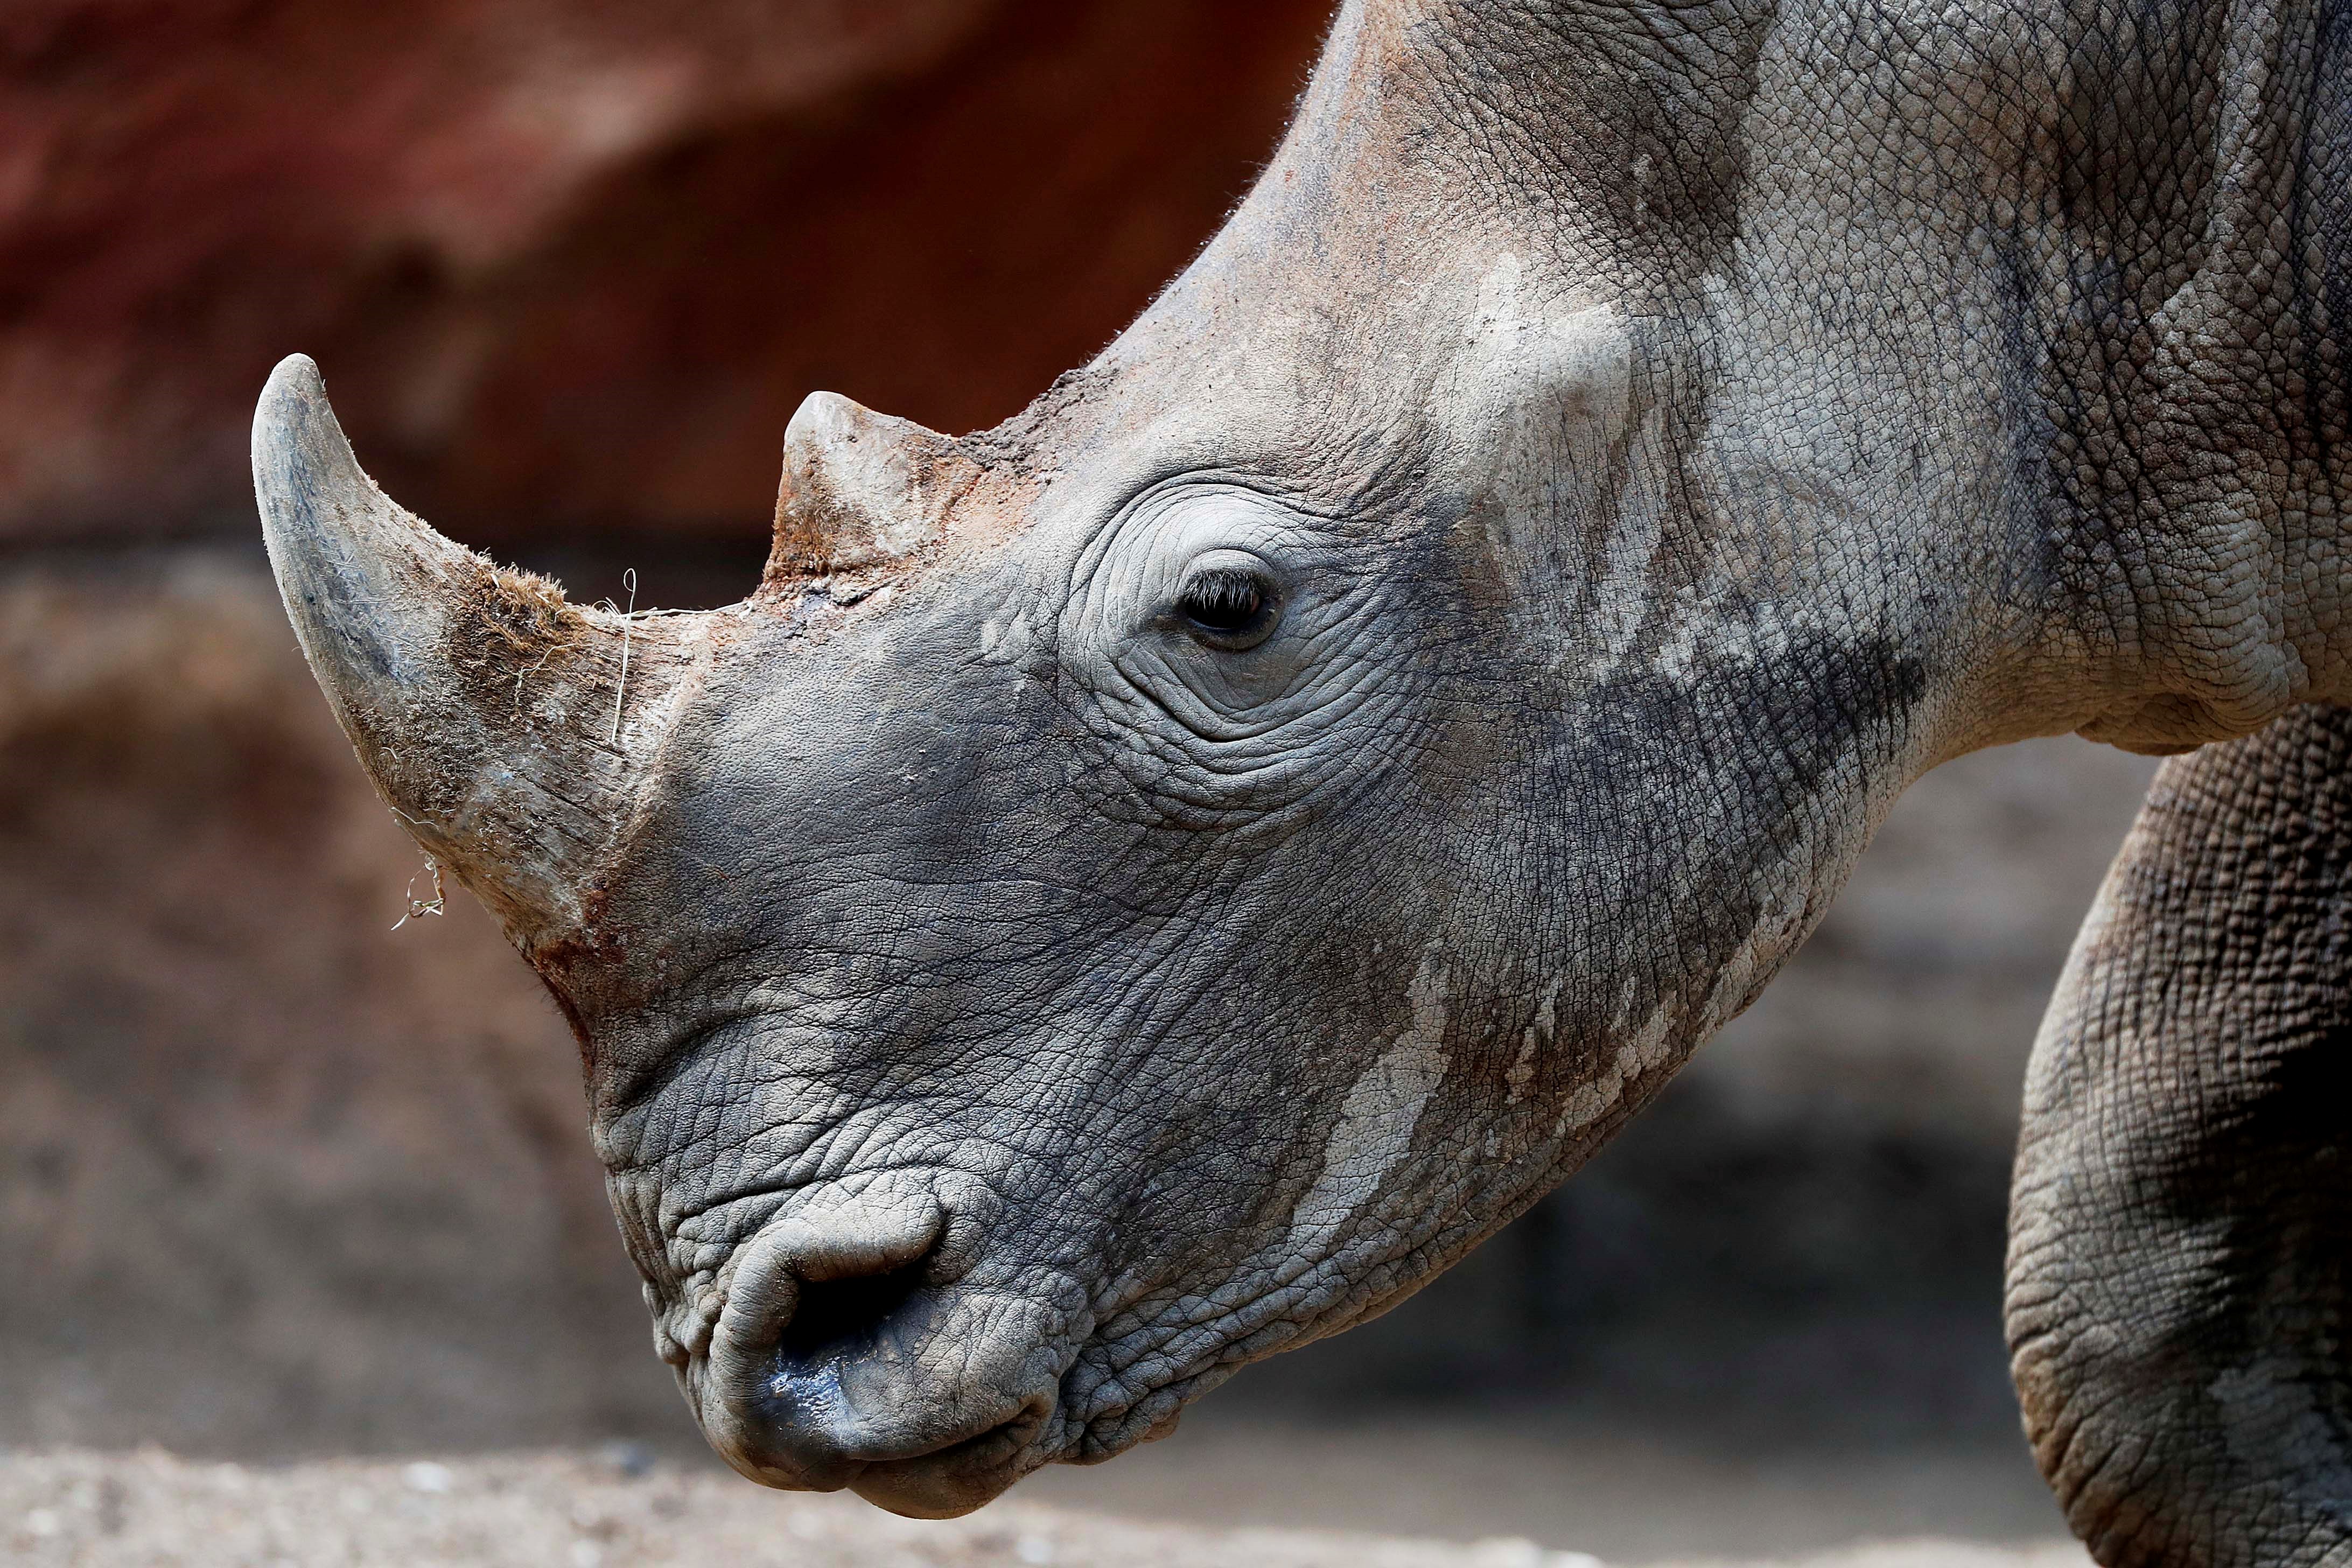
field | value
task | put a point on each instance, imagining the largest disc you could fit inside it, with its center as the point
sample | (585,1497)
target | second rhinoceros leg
(2181,1242)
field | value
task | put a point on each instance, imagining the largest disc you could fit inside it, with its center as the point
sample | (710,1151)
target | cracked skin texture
(1159,896)
(2182,1221)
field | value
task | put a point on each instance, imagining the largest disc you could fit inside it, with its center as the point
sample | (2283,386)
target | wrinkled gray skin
(1653,434)
(2180,1269)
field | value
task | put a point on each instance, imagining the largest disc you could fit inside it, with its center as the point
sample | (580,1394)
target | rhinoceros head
(1151,884)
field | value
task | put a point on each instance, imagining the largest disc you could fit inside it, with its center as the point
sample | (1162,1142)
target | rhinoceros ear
(506,727)
(861,488)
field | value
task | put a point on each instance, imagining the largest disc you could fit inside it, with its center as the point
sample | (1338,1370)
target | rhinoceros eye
(1230,600)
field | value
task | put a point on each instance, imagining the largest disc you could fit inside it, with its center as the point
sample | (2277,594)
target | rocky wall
(569,265)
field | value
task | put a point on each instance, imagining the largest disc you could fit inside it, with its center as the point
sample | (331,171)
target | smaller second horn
(861,488)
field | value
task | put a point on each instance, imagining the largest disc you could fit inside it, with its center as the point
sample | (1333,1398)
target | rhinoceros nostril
(827,1278)
(807,1381)
(844,1316)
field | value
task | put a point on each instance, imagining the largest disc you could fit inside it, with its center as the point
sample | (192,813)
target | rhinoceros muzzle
(827,1361)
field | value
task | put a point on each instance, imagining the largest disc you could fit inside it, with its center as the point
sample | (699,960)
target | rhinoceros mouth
(960,1476)
(793,1444)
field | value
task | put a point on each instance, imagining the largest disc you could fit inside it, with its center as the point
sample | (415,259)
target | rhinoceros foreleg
(2181,1224)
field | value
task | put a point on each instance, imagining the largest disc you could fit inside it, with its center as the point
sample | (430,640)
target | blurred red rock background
(570,264)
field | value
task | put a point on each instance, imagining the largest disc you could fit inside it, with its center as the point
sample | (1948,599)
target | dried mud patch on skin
(152,1509)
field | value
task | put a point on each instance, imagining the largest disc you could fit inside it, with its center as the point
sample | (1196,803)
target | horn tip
(292,402)
(297,373)
(299,446)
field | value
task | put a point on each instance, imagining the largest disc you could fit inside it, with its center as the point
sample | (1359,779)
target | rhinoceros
(1150,884)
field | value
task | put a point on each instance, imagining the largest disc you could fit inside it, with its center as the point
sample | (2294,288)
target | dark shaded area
(844,1315)
(1812,1279)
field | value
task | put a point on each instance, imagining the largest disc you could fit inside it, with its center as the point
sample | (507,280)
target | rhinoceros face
(1075,1008)
(1162,927)
(1151,884)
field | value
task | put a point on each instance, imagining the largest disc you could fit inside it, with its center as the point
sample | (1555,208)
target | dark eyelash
(1223,598)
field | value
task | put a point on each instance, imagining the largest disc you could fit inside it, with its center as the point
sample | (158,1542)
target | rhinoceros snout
(842,1357)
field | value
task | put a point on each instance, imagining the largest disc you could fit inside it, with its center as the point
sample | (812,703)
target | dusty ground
(151,1509)
(1599,1483)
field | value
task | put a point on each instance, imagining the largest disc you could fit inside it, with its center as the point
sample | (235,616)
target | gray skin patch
(2182,1221)
(1374,1132)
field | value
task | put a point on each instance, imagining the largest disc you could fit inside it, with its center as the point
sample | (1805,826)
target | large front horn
(507,728)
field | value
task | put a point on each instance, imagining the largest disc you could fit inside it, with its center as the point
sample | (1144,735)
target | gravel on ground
(620,1508)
